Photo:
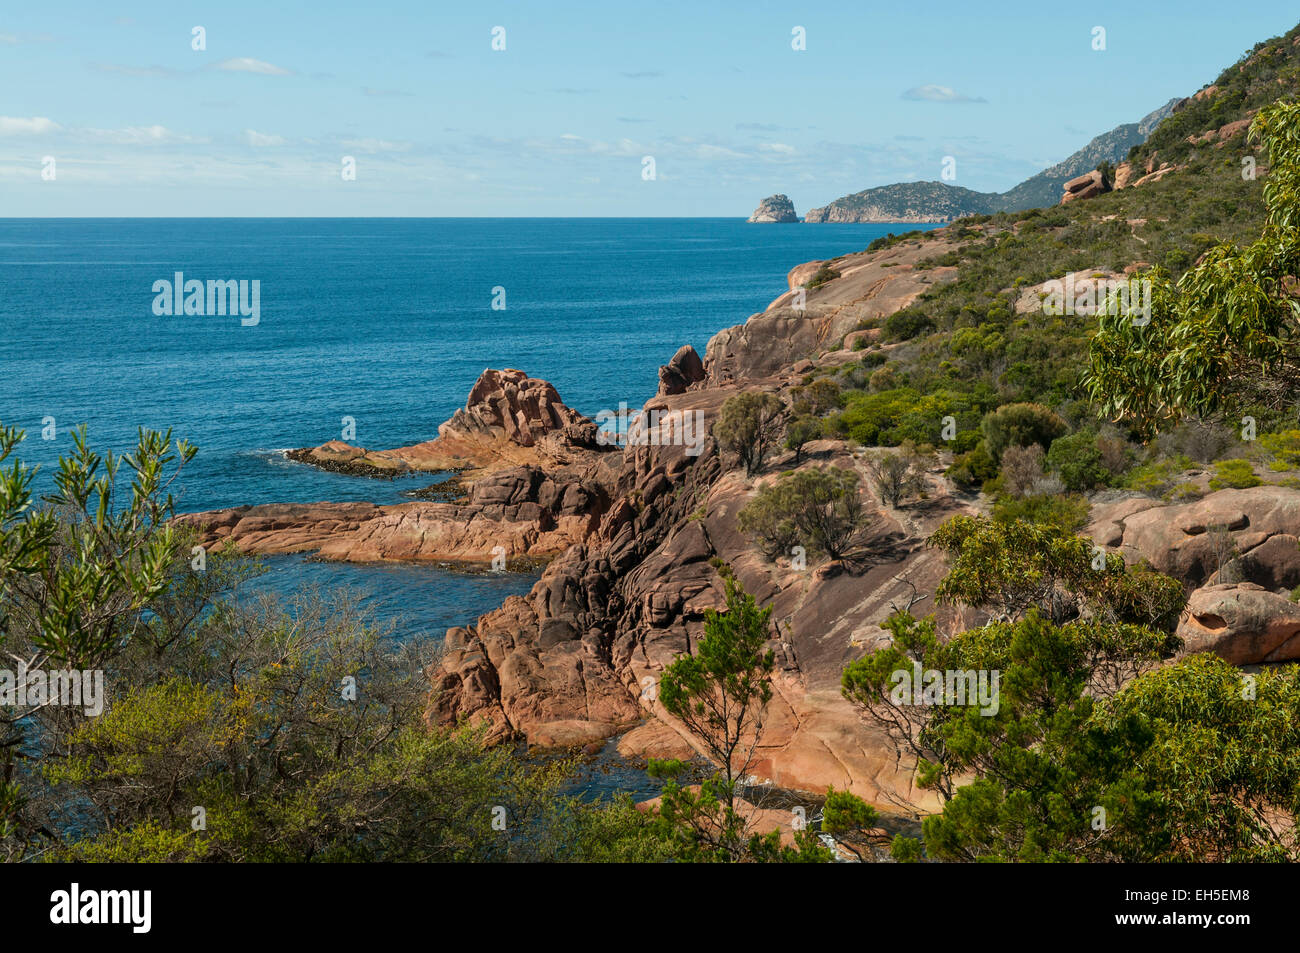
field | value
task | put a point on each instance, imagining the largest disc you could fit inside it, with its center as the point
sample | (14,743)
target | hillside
(905,202)
(940,202)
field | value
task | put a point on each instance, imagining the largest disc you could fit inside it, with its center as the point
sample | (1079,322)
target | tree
(897,476)
(800,431)
(1225,335)
(820,508)
(1010,567)
(720,691)
(76,578)
(816,399)
(749,426)
(1191,761)
(239,728)
(719,694)
(1077,458)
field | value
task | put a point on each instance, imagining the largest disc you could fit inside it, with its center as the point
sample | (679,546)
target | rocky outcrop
(579,657)
(1238,551)
(774,208)
(509,420)
(684,370)
(1242,623)
(1087,186)
(806,322)
(521,514)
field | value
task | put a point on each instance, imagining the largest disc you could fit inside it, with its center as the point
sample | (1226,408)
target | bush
(897,476)
(905,325)
(1077,458)
(974,468)
(1285,447)
(748,427)
(799,431)
(1020,425)
(815,399)
(1069,513)
(1237,474)
(822,275)
(1022,468)
(819,508)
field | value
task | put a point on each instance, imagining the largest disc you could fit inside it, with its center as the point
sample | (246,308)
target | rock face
(1242,623)
(804,323)
(530,514)
(1087,186)
(579,657)
(509,420)
(682,371)
(774,208)
(1239,553)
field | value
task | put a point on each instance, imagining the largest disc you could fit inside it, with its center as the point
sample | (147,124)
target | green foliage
(974,468)
(748,426)
(1284,447)
(1009,568)
(800,431)
(822,275)
(1065,512)
(814,507)
(1223,335)
(892,417)
(1020,425)
(1238,474)
(719,694)
(720,691)
(1077,458)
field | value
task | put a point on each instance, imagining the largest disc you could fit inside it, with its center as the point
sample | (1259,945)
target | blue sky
(559,122)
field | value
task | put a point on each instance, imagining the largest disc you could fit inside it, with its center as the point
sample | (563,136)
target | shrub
(820,508)
(1069,513)
(1285,447)
(1077,459)
(905,325)
(748,427)
(799,431)
(1020,425)
(1022,468)
(822,275)
(1237,474)
(973,468)
(897,476)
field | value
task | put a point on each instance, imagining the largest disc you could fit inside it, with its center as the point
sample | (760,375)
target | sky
(563,120)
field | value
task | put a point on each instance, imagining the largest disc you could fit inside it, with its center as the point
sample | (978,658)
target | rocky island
(774,208)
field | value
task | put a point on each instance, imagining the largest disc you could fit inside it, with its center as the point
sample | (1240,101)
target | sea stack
(774,208)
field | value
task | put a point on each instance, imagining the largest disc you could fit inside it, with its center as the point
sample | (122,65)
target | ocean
(387,322)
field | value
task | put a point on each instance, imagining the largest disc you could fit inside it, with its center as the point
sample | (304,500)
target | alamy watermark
(653,428)
(179,296)
(71,688)
(930,686)
(1126,296)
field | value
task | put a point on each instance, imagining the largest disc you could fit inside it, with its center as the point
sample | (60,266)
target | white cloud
(375,145)
(246,64)
(780,148)
(36,126)
(940,94)
(256,139)
(138,135)
(708,152)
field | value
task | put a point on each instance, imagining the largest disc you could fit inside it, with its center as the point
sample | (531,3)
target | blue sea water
(386,321)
